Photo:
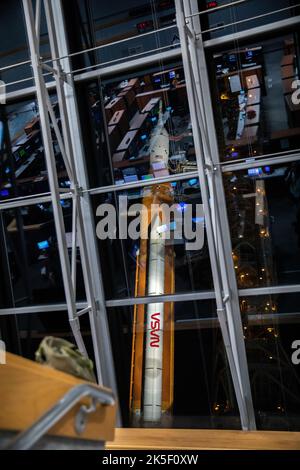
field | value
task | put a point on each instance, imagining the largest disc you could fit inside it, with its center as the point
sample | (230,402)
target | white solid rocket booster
(154,327)
(152,404)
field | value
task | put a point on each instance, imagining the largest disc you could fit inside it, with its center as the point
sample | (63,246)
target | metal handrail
(27,438)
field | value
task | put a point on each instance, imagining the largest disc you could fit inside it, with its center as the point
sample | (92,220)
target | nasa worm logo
(155,327)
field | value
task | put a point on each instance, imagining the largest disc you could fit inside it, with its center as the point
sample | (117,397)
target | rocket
(152,353)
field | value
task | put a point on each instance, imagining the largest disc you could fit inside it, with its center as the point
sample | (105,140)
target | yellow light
(263,270)
(270,330)
(271,357)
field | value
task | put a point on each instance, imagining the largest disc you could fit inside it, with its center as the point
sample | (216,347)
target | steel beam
(87,233)
(216,223)
(42,92)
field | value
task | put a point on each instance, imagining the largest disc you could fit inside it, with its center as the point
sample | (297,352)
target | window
(221,21)
(126,261)
(263,211)
(256,99)
(30,245)
(271,327)
(127,113)
(198,345)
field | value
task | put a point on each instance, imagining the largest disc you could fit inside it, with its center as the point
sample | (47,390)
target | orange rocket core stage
(158,194)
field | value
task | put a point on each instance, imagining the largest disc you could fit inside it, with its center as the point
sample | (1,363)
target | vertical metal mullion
(224,306)
(76,200)
(223,231)
(52,173)
(209,223)
(98,318)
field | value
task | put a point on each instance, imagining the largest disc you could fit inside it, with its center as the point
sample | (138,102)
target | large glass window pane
(34,327)
(218,22)
(22,162)
(127,260)
(272,338)
(31,254)
(263,210)
(255,97)
(130,112)
(14,47)
(200,387)
(13,44)
(121,31)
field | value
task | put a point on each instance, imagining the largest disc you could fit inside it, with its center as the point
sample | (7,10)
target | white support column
(83,228)
(98,315)
(215,209)
(41,92)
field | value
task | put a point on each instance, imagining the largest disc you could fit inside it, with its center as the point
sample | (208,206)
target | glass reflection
(31,252)
(271,325)
(257,112)
(128,257)
(264,215)
(196,340)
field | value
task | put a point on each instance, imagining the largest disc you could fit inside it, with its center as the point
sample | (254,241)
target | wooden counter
(29,389)
(202,439)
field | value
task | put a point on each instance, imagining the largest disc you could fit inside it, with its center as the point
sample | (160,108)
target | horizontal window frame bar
(218,28)
(252,320)
(141,183)
(127,302)
(40,309)
(185,297)
(284,158)
(271,290)
(16,203)
(251,32)
(126,66)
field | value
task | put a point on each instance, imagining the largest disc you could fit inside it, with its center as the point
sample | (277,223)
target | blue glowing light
(182,207)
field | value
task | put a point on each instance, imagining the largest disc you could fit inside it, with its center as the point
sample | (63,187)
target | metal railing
(28,438)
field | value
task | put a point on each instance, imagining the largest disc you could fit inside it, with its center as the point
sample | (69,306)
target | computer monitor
(193,182)
(147,177)
(232,58)
(43,245)
(255,172)
(235,83)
